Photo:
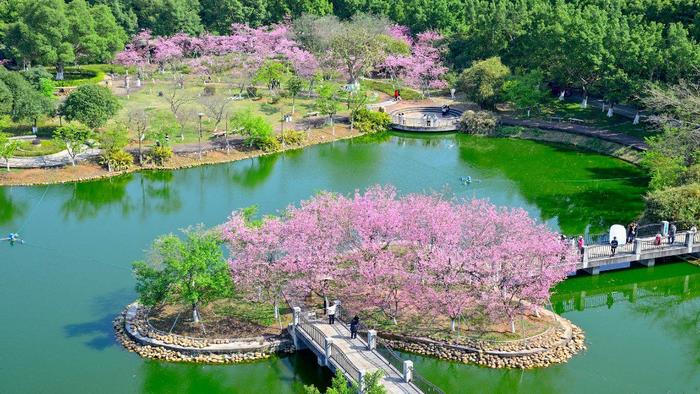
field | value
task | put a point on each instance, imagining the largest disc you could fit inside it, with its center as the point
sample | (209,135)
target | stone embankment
(554,346)
(135,333)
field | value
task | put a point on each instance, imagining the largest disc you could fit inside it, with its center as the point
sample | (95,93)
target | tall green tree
(525,91)
(75,137)
(192,270)
(91,105)
(219,15)
(483,81)
(327,102)
(26,103)
(8,148)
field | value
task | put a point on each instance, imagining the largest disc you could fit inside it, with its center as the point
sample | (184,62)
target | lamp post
(201,115)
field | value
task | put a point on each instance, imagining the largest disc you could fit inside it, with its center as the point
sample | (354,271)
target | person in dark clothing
(354,326)
(613,245)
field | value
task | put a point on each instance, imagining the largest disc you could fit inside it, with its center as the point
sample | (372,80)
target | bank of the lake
(64,287)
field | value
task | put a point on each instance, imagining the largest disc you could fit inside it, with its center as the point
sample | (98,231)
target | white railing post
(638,249)
(407,371)
(371,339)
(327,350)
(361,384)
(297,315)
(690,240)
(585,256)
(664,228)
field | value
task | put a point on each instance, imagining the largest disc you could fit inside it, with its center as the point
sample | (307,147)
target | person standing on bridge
(580,244)
(613,245)
(331,313)
(354,326)
(672,233)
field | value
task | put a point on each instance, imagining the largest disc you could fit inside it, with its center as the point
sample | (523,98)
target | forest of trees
(608,48)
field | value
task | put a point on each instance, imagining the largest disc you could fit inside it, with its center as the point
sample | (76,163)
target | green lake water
(60,291)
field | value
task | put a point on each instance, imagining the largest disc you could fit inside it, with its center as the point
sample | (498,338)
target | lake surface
(61,290)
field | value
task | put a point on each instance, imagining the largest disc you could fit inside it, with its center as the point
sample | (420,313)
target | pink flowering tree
(418,254)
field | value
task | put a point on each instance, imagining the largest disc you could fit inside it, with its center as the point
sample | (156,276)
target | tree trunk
(453,324)
(59,72)
(195,314)
(332,126)
(7,164)
(293,103)
(512,326)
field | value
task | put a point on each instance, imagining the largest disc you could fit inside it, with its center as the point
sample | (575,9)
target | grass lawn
(47,147)
(162,118)
(594,117)
(227,318)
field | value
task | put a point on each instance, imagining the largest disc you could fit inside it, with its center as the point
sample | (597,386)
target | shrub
(256,130)
(680,204)
(479,122)
(292,137)
(209,91)
(91,105)
(251,91)
(159,155)
(370,121)
(116,160)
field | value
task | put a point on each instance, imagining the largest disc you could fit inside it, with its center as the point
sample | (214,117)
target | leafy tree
(191,271)
(257,131)
(327,102)
(113,141)
(219,15)
(482,82)
(92,105)
(340,385)
(271,74)
(7,148)
(26,103)
(525,90)
(40,35)
(139,122)
(74,137)
(167,17)
(679,204)
(294,87)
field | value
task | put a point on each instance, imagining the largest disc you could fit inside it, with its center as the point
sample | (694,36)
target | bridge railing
(418,122)
(342,361)
(315,334)
(390,356)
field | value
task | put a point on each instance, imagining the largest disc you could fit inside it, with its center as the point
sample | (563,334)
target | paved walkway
(58,159)
(612,136)
(356,352)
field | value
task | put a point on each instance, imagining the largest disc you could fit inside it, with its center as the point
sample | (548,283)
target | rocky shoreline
(554,346)
(136,335)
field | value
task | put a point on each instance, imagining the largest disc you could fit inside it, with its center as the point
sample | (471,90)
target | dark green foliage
(91,105)
(679,204)
(26,103)
(257,131)
(191,271)
(483,81)
(371,121)
(478,122)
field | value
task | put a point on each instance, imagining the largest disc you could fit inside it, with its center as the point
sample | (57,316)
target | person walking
(672,234)
(354,326)
(613,245)
(657,239)
(331,313)
(580,244)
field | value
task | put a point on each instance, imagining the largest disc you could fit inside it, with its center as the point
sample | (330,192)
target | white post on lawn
(636,119)
(610,112)
(561,95)
(584,103)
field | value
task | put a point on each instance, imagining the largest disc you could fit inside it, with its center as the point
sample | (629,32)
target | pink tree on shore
(379,252)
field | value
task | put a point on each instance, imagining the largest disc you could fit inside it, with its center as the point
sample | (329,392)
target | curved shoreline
(179,162)
(553,346)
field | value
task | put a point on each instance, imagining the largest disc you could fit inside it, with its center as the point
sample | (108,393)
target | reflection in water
(565,185)
(158,193)
(10,210)
(86,200)
(254,172)
(285,374)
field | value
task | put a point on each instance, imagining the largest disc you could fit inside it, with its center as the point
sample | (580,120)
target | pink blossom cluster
(252,47)
(380,252)
(422,68)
